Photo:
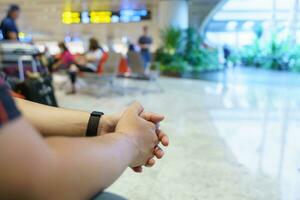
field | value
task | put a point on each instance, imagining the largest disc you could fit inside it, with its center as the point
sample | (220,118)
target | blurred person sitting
(145,42)
(87,63)
(8,25)
(64,59)
(90,60)
(44,153)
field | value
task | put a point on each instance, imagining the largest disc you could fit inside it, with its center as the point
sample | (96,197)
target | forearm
(91,59)
(12,36)
(90,165)
(57,64)
(60,168)
(51,121)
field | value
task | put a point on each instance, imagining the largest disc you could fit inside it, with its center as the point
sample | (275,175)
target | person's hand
(141,132)
(108,125)
(163,138)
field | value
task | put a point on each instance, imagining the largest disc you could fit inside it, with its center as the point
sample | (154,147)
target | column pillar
(173,13)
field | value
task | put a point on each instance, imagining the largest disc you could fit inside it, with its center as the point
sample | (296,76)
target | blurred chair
(101,63)
(138,72)
(111,66)
(136,63)
(109,73)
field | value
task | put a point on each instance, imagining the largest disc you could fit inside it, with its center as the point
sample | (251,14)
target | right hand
(142,133)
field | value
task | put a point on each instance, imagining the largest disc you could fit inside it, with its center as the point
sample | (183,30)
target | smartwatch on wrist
(92,127)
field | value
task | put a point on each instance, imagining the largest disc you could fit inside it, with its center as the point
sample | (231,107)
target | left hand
(108,124)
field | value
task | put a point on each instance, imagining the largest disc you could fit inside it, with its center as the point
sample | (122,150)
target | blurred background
(224,72)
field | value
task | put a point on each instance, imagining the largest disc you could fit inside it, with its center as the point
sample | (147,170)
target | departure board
(105,17)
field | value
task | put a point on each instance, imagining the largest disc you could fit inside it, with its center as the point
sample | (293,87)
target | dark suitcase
(38,89)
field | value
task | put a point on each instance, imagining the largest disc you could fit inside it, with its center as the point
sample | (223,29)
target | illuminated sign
(105,17)
(97,17)
(71,17)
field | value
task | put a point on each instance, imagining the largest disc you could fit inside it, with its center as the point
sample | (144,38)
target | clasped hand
(143,128)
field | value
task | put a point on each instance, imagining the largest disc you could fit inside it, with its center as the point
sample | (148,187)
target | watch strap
(92,127)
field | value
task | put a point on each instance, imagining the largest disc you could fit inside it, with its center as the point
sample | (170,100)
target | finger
(135,108)
(137,169)
(150,163)
(163,138)
(158,152)
(152,117)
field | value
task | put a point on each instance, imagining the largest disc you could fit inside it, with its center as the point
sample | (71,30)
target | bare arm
(12,35)
(57,64)
(50,121)
(59,168)
(91,58)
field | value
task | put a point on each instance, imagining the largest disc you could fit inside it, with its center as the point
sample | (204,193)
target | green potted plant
(183,52)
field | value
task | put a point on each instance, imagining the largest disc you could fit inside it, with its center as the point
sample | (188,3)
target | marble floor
(234,139)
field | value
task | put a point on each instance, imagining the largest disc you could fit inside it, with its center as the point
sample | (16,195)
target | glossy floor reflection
(108,196)
(232,142)
(259,120)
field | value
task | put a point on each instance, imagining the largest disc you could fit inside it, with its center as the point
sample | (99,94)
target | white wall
(173,12)
(42,20)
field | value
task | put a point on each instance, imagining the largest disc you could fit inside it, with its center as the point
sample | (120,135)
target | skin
(50,121)
(72,167)
(83,59)
(12,36)
(57,64)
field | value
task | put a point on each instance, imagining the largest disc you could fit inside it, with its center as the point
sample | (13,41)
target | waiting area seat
(139,72)
(118,75)
(107,73)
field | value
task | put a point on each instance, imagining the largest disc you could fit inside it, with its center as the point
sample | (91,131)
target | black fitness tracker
(92,127)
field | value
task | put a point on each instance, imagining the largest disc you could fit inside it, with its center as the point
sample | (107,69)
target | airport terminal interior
(225,73)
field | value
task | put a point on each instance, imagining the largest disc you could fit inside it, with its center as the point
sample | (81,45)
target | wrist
(80,121)
(108,124)
(102,122)
(132,143)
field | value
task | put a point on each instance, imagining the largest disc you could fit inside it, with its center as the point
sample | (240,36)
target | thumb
(135,108)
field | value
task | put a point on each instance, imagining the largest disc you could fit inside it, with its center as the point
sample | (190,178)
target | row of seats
(133,63)
(114,65)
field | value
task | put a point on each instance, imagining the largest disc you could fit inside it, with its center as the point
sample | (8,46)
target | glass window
(238,19)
